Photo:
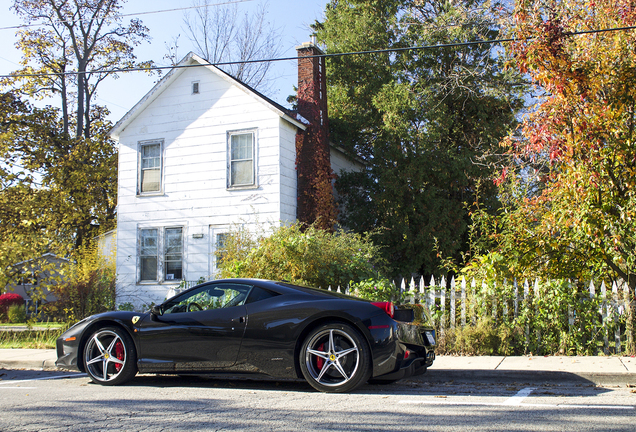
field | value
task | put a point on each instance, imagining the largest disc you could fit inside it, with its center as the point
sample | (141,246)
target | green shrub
(90,287)
(16,314)
(127,306)
(484,338)
(300,254)
(375,289)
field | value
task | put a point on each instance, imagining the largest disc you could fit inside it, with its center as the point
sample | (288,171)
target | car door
(201,329)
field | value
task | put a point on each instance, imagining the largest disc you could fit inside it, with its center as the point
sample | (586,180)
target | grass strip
(38,339)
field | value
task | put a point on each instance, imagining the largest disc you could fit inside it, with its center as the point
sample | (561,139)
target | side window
(150,164)
(208,297)
(241,164)
(258,294)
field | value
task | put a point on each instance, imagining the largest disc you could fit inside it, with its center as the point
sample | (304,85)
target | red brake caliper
(319,360)
(119,353)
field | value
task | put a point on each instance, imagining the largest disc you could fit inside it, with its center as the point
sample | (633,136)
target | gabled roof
(193,60)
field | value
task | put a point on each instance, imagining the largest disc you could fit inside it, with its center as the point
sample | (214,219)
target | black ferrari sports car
(334,341)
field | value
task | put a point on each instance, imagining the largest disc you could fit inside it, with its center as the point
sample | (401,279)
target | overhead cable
(332,55)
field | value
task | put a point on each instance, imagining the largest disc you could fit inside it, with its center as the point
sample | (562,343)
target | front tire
(110,357)
(335,358)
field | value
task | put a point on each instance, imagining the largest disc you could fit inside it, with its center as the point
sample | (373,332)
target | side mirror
(156,310)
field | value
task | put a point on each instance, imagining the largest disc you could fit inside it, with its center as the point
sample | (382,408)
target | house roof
(193,60)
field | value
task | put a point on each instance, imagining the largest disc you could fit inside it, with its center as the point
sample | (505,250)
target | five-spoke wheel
(109,356)
(335,358)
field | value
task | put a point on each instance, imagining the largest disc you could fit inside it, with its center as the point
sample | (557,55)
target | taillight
(387,307)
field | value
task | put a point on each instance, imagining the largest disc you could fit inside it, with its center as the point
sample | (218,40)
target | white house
(200,152)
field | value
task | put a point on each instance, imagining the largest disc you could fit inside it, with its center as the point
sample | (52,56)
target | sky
(291,16)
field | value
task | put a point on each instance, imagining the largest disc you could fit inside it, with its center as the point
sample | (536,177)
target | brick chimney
(315,193)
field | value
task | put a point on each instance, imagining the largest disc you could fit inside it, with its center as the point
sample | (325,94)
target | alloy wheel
(105,355)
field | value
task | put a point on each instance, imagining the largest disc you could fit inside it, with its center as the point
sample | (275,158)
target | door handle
(242,319)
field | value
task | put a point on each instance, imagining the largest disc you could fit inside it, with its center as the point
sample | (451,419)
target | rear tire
(110,357)
(335,358)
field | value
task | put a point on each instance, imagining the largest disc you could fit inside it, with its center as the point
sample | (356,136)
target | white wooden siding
(194,130)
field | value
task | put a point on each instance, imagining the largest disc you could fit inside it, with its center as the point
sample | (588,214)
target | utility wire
(133,14)
(333,55)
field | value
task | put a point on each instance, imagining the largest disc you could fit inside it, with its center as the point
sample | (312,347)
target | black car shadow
(442,381)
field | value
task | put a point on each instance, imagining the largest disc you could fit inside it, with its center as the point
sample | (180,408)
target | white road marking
(520,405)
(41,379)
(20,388)
(520,396)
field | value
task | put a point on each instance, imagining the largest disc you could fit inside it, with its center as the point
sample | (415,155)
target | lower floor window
(160,254)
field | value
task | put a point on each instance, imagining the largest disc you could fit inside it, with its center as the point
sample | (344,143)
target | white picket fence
(457,303)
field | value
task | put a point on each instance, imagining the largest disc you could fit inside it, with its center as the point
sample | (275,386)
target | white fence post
(536,309)
(463,301)
(442,288)
(604,316)
(412,291)
(505,301)
(473,302)
(617,332)
(494,301)
(452,302)
(526,292)
(431,294)
(516,299)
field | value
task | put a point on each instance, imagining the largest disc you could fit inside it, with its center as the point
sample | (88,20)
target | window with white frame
(150,164)
(241,164)
(160,254)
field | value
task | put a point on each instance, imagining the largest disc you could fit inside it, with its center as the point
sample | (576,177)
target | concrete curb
(28,364)
(28,359)
(524,376)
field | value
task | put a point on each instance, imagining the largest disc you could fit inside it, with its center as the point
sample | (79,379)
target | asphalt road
(54,401)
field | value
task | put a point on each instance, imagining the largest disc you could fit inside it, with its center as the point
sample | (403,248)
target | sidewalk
(597,370)
(547,369)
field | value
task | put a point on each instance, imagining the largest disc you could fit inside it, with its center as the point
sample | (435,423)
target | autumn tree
(220,33)
(427,122)
(69,48)
(570,186)
(58,180)
(55,193)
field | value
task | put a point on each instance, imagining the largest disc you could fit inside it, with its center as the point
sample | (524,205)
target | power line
(333,55)
(133,14)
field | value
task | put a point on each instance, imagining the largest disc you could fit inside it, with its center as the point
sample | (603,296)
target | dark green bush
(300,254)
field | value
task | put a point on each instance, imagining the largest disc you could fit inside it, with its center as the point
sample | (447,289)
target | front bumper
(66,355)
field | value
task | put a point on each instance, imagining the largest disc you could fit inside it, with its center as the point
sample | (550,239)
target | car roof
(287,288)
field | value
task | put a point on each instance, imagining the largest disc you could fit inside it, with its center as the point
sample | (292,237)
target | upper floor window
(150,167)
(241,169)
